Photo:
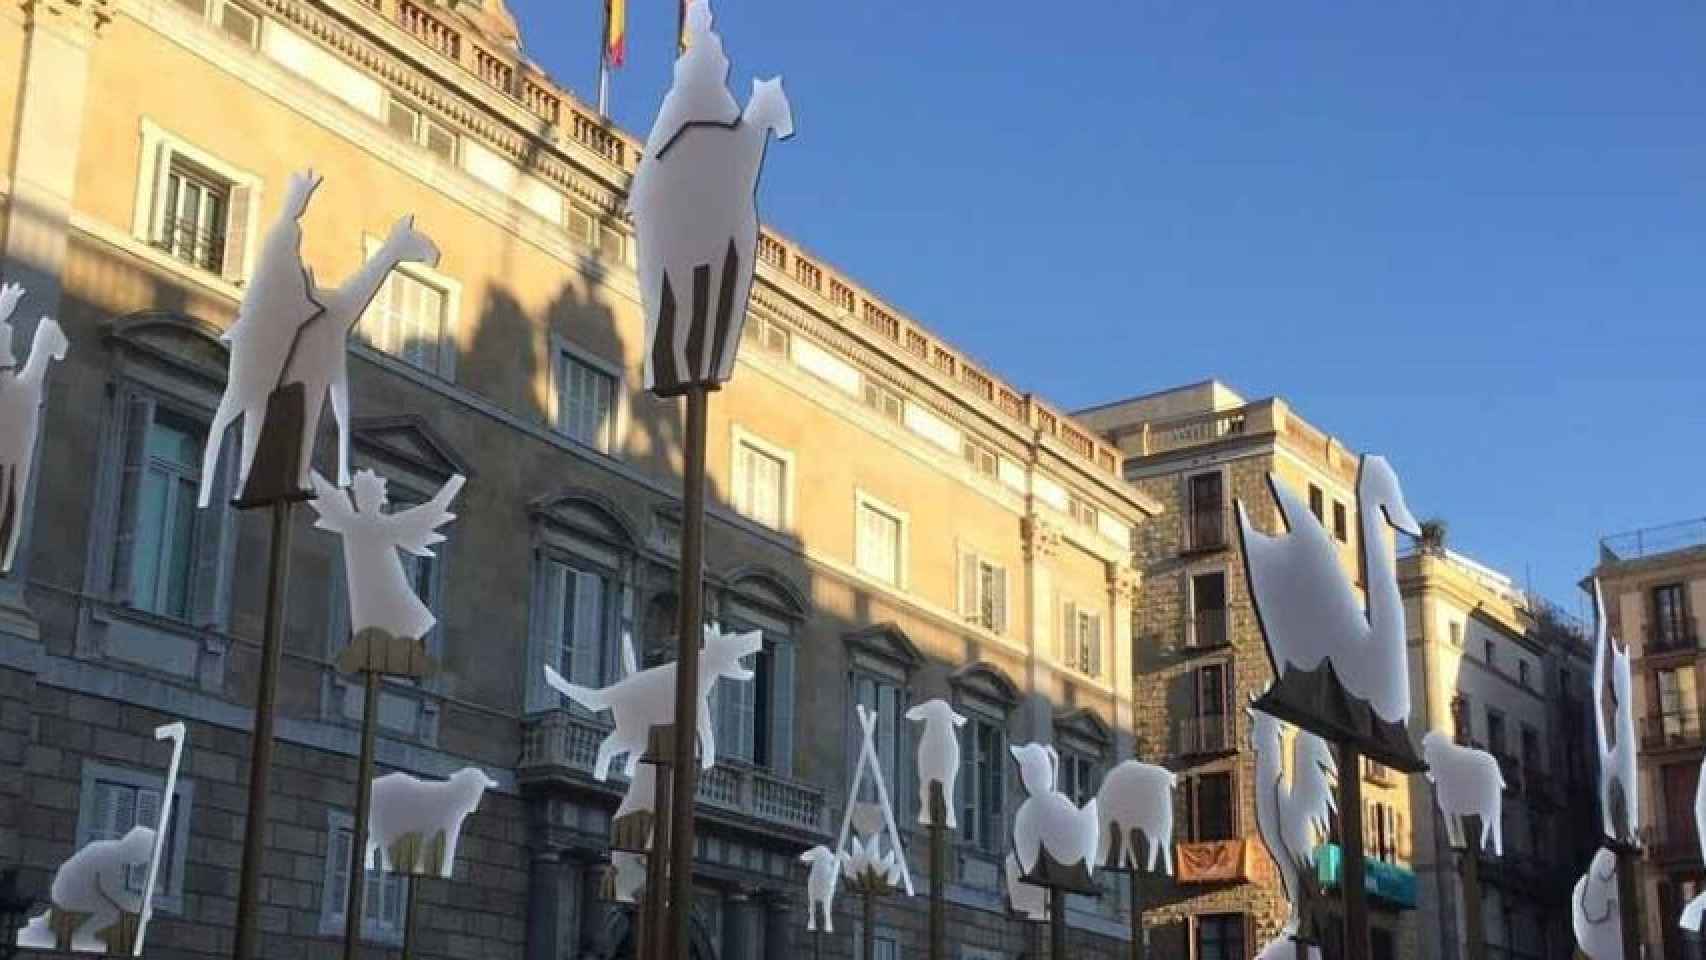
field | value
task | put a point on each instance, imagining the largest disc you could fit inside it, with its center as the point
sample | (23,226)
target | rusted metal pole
(363,811)
(1469,871)
(938,872)
(686,728)
(1351,867)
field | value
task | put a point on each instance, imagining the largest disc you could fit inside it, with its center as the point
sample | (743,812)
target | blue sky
(1469,236)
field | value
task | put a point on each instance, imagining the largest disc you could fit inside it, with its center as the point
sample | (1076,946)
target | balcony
(1205,530)
(1673,636)
(1673,730)
(1205,735)
(1207,630)
(559,746)
(1213,861)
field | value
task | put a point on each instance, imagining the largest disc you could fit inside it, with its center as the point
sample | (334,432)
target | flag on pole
(615,32)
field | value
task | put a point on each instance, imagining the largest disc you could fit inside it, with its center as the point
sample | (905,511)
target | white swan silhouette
(1616,744)
(1291,816)
(1307,606)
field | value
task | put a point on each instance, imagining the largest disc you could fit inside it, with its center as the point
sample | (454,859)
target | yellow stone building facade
(898,521)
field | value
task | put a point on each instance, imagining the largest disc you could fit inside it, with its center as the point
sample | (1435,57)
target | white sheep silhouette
(820,887)
(1137,796)
(1467,783)
(427,812)
(938,755)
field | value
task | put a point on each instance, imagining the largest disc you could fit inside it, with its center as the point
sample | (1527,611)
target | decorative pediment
(180,341)
(887,642)
(410,442)
(586,512)
(763,587)
(986,681)
(1083,724)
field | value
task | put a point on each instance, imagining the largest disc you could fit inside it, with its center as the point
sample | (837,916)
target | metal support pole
(409,918)
(686,728)
(1469,871)
(260,747)
(1056,925)
(657,876)
(1351,871)
(938,872)
(363,810)
(1135,880)
(1629,914)
(870,952)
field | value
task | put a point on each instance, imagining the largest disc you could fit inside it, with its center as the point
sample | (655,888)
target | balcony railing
(1677,728)
(198,247)
(1205,529)
(560,741)
(1673,636)
(1207,629)
(1208,733)
(1654,540)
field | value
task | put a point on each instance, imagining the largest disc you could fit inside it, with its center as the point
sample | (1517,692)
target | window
(983,758)
(1679,711)
(1081,634)
(385,896)
(237,22)
(1489,654)
(982,458)
(1380,830)
(1208,610)
(1210,807)
(1082,511)
(1340,527)
(586,402)
(884,401)
(168,553)
(1670,616)
(1522,672)
(1219,936)
(1079,775)
(1205,526)
(573,626)
(1496,732)
(983,592)
(761,482)
(1530,749)
(1317,503)
(889,700)
(194,215)
(769,335)
(1457,634)
(1209,728)
(411,318)
(114,800)
(881,542)
(885,943)
(412,124)
(1461,720)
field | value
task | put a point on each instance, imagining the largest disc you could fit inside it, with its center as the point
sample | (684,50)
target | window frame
(169,885)
(1195,611)
(332,911)
(981,716)
(1197,533)
(616,426)
(420,133)
(1193,819)
(862,502)
(450,317)
(159,147)
(1318,503)
(1341,522)
(739,481)
(972,590)
(1073,649)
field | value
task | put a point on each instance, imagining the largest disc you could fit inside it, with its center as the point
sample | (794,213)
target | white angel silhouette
(380,597)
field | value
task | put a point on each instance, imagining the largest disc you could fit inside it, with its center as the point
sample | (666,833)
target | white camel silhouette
(20,416)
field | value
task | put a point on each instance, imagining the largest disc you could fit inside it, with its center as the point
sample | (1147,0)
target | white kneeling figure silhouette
(92,882)
(1467,783)
(938,756)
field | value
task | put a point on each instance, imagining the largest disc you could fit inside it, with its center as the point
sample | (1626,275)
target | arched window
(582,559)
(755,718)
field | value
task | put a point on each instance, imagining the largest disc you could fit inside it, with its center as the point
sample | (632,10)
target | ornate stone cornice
(87,15)
(1123,581)
(1042,538)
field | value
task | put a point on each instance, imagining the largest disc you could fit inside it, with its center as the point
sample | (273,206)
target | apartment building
(1493,666)
(899,522)
(1201,659)
(1654,585)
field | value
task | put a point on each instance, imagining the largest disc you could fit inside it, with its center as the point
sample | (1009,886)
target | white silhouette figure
(938,756)
(647,699)
(92,882)
(1594,911)
(694,201)
(820,888)
(1047,820)
(288,330)
(430,813)
(869,764)
(1309,609)
(1696,908)
(20,415)
(1617,778)
(628,867)
(1291,817)
(1137,796)
(1027,899)
(380,596)
(1467,783)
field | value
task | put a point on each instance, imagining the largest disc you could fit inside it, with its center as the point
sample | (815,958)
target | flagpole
(604,64)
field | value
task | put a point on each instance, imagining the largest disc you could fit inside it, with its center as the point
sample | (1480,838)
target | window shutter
(1187,791)
(146,814)
(213,533)
(1000,605)
(1095,631)
(137,413)
(236,232)
(904,791)
(372,899)
(549,592)
(587,629)
(782,708)
(157,216)
(968,586)
(339,850)
(969,788)
(887,706)
(1069,635)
